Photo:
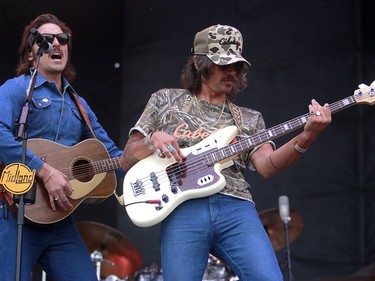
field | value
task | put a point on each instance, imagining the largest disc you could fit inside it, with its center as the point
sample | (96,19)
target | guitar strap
(82,110)
(120,199)
(237,115)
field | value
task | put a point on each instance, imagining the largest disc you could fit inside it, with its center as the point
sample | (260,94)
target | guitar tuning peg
(361,86)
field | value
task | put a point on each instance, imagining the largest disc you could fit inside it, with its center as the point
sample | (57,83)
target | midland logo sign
(17,178)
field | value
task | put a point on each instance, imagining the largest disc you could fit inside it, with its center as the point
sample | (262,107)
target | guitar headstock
(365,94)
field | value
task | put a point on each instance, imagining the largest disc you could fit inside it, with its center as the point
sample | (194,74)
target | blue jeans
(57,248)
(227,227)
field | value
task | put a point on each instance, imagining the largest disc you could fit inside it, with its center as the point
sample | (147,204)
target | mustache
(230,78)
(235,81)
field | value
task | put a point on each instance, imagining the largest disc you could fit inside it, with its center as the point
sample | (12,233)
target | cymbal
(275,227)
(121,257)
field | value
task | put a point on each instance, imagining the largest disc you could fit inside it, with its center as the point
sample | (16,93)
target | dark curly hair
(24,64)
(191,78)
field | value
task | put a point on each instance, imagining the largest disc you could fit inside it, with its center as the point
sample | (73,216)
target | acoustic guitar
(88,167)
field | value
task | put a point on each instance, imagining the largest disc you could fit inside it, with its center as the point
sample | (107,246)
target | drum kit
(117,259)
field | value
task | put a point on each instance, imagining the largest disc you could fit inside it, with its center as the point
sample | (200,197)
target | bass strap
(237,115)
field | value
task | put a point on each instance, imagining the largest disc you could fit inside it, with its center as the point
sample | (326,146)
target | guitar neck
(271,133)
(106,165)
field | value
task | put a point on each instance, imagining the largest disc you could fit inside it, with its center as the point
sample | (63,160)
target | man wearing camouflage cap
(213,216)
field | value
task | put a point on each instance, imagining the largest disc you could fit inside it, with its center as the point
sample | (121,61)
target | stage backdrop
(125,50)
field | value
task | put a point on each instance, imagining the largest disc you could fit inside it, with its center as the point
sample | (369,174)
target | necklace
(201,112)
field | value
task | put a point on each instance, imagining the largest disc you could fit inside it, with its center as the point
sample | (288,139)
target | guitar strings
(90,168)
(199,163)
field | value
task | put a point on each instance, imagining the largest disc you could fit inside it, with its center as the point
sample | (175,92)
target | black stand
(29,197)
(289,276)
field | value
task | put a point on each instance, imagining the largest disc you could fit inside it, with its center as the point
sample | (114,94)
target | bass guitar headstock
(365,94)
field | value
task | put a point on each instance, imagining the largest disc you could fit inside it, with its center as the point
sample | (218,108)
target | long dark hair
(191,78)
(25,64)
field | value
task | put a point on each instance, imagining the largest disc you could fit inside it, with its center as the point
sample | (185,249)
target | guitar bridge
(137,188)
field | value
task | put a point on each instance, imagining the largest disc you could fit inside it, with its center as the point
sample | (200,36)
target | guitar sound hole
(83,170)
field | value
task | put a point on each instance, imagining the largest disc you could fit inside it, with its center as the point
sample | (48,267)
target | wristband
(148,142)
(300,149)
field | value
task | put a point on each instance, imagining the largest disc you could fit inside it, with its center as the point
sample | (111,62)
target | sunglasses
(63,38)
(238,66)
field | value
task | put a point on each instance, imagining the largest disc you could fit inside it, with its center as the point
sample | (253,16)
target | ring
(317,113)
(56,198)
(159,153)
(312,112)
(170,148)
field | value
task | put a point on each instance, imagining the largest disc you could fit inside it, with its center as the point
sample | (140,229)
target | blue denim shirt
(53,116)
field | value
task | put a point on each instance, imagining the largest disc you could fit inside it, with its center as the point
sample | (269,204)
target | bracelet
(300,149)
(50,175)
(272,164)
(148,142)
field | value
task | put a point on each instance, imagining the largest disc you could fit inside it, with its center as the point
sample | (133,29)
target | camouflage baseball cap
(222,44)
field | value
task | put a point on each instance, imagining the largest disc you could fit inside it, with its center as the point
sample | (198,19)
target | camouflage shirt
(190,119)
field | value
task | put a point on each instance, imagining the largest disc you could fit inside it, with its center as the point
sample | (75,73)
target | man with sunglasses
(54,115)
(226,223)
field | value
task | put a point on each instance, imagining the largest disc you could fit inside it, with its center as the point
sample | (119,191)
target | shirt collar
(40,80)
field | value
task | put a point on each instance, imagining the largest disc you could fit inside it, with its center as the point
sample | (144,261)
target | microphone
(285,217)
(284,208)
(44,46)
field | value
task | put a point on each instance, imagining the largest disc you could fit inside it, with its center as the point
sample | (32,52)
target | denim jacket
(52,115)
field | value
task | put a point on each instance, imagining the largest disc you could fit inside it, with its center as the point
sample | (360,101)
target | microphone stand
(29,197)
(287,249)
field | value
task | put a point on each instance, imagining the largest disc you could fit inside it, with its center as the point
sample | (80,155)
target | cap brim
(226,59)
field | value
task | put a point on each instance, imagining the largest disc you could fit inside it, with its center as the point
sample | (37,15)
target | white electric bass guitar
(154,187)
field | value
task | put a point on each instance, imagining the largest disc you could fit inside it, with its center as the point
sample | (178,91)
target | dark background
(299,50)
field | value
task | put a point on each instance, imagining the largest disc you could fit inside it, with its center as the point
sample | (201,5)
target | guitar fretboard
(106,165)
(270,133)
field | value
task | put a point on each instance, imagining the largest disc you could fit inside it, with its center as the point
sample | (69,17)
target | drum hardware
(114,278)
(217,270)
(97,259)
(153,272)
(114,255)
